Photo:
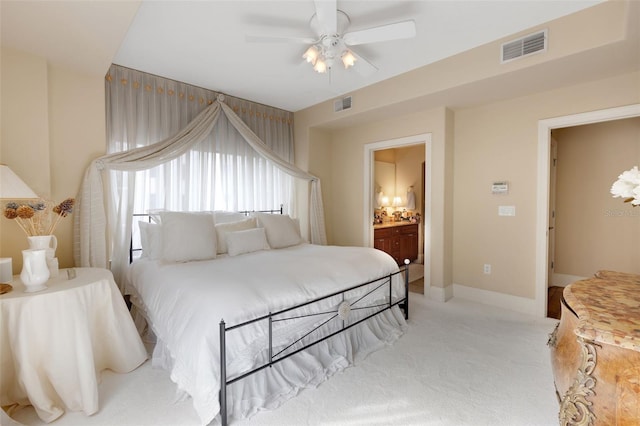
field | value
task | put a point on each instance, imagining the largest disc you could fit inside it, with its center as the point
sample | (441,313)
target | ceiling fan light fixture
(320,66)
(311,55)
(348,59)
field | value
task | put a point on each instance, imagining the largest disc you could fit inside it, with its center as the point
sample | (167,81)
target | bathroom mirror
(385,182)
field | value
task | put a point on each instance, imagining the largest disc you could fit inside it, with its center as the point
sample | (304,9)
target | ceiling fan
(333,44)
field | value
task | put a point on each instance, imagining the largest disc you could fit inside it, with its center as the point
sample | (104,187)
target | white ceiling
(203,42)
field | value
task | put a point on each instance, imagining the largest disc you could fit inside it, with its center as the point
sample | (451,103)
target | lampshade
(12,187)
(311,55)
(320,66)
(348,59)
(397,202)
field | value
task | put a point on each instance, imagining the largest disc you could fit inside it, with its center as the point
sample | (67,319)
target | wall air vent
(527,45)
(342,104)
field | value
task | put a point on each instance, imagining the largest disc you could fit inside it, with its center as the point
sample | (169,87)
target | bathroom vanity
(398,239)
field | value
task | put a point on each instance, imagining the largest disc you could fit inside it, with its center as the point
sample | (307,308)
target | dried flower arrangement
(36,218)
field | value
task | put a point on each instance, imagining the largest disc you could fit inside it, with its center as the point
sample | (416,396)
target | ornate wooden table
(595,351)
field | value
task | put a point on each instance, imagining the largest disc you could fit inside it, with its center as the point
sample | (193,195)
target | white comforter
(185,303)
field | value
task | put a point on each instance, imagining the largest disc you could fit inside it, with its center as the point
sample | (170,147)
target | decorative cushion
(188,236)
(151,240)
(281,230)
(222,229)
(247,241)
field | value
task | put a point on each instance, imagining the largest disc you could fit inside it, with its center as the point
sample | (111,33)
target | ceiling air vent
(342,104)
(527,45)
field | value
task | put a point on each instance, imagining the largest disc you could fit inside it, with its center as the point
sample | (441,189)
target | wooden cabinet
(400,241)
(595,351)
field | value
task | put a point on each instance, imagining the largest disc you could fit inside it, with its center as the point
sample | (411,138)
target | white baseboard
(493,298)
(563,280)
(439,294)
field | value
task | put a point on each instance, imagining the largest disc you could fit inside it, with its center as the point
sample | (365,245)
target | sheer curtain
(215,170)
(222,173)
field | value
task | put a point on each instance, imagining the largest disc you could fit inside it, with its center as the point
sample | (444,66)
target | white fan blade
(396,31)
(279,39)
(363,66)
(327,13)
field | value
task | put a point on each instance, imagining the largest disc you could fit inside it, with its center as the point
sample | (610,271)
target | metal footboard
(328,320)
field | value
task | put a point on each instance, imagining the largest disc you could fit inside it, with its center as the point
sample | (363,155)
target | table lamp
(11,188)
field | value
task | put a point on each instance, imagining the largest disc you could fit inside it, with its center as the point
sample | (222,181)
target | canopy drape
(93,230)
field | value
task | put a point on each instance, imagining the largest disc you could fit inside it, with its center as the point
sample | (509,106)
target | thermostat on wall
(500,187)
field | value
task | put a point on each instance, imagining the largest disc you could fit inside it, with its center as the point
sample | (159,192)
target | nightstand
(54,343)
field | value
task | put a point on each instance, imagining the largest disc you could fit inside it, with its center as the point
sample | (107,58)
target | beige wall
(489,142)
(499,142)
(593,230)
(343,179)
(52,127)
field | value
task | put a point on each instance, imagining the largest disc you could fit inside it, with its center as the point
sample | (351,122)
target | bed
(265,317)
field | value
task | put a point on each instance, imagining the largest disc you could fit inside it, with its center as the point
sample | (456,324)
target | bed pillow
(222,229)
(247,241)
(188,236)
(281,230)
(151,240)
(222,216)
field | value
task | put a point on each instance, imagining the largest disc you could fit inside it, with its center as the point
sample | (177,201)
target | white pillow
(151,240)
(281,230)
(188,236)
(222,229)
(247,241)
(222,216)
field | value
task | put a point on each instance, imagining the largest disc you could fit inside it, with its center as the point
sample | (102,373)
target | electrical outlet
(487,268)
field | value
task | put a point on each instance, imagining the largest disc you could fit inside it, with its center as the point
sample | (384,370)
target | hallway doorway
(545,128)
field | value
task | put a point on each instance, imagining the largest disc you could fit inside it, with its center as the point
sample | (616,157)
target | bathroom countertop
(393,224)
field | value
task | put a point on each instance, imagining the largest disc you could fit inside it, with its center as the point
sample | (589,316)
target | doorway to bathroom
(397,181)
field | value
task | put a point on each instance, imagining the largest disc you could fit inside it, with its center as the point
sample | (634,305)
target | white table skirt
(54,343)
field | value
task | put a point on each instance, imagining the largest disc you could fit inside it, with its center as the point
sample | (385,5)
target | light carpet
(459,363)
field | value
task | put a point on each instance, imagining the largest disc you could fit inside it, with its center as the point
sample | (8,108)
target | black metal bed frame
(341,312)
(337,314)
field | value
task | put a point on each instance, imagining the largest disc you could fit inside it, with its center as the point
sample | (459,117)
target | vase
(49,243)
(34,270)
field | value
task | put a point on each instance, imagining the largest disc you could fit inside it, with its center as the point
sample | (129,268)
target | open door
(552,208)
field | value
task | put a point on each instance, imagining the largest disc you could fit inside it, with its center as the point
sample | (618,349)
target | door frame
(542,214)
(368,189)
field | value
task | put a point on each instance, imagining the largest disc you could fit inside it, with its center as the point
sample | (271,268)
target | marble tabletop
(608,308)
